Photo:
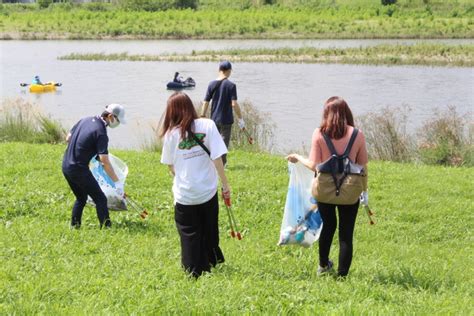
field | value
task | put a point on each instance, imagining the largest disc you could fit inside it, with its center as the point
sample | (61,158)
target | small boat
(39,88)
(186,84)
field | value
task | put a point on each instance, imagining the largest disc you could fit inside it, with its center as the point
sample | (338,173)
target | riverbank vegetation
(432,54)
(416,259)
(446,138)
(259,127)
(24,121)
(157,19)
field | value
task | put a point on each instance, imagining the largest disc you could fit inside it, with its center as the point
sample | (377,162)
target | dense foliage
(143,19)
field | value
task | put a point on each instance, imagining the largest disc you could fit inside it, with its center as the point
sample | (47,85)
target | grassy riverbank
(215,20)
(415,260)
(419,54)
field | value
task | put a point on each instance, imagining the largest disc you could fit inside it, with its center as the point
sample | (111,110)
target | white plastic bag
(114,201)
(302,222)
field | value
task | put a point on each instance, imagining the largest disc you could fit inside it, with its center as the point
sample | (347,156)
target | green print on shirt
(190,143)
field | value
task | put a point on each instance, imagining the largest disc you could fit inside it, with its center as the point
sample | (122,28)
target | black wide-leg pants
(199,234)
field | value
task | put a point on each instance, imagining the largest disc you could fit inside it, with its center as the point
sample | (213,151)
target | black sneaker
(107,224)
(75,224)
(326,270)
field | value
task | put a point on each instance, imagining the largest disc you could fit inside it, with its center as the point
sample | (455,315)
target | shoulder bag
(200,143)
(215,89)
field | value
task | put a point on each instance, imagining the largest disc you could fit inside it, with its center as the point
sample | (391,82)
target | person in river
(37,80)
(177,78)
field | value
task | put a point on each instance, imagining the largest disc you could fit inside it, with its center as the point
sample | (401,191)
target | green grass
(417,259)
(364,20)
(418,54)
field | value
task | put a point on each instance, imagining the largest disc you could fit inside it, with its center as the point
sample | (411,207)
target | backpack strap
(338,161)
(334,161)
(345,156)
(218,85)
(331,147)
(350,143)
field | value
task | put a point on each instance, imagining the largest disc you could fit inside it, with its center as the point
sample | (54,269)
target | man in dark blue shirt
(223,94)
(88,139)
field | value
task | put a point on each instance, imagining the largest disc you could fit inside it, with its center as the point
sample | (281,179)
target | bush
(388,2)
(64,6)
(186,4)
(144,5)
(157,5)
(43,4)
(446,139)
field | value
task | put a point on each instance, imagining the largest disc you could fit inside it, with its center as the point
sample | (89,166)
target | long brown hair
(180,112)
(336,117)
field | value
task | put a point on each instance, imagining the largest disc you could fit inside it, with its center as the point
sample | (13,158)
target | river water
(292,94)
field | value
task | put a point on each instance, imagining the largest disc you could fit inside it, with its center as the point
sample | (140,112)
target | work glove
(119,188)
(364,198)
(241,123)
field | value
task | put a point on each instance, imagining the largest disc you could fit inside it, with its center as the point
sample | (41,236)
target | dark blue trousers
(82,184)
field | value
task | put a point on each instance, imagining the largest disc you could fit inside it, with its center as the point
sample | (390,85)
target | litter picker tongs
(234,231)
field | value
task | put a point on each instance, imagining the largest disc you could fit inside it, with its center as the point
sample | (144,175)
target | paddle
(56,84)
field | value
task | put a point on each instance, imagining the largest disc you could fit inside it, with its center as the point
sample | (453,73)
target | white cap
(117,110)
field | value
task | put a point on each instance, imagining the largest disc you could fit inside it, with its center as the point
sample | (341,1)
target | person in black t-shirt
(86,140)
(223,94)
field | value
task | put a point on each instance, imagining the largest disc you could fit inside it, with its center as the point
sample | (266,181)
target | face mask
(114,124)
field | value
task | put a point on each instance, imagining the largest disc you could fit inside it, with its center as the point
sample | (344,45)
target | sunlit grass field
(417,259)
(366,19)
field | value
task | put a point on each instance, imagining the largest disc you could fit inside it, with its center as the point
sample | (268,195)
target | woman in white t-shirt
(192,149)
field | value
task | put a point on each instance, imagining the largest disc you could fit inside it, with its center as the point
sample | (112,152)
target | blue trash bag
(115,202)
(302,222)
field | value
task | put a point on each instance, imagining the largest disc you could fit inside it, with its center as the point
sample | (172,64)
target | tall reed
(386,134)
(258,126)
(446,138)
(24,122)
